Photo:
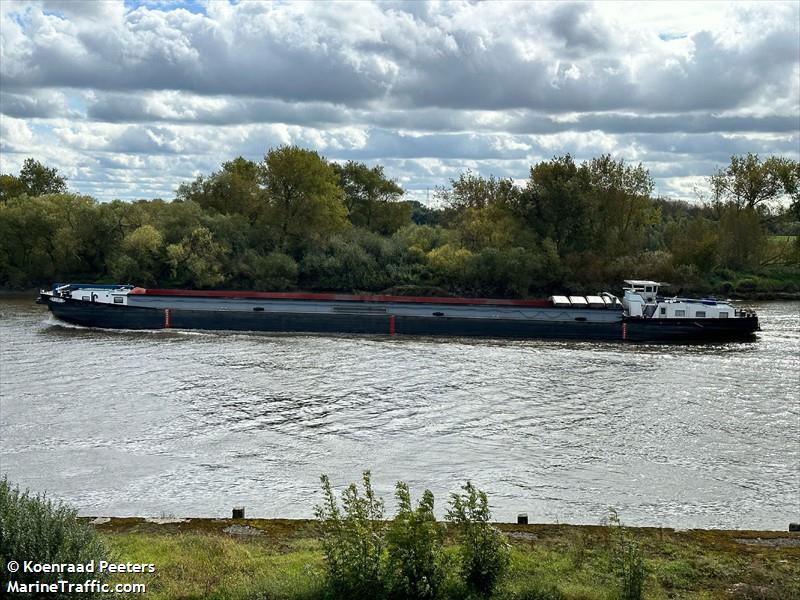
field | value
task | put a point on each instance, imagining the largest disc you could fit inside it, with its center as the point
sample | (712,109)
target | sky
(130,99)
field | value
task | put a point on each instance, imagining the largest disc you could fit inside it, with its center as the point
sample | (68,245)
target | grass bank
(281,559)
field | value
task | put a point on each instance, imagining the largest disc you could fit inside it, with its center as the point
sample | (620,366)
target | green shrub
(33,528)
(353,540)
(627,560)
(414,548)
(747,285)
(484,550)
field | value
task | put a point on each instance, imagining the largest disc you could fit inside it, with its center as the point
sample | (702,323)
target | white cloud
(425,88)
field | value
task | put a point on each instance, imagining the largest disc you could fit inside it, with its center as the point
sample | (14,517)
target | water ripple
(192,423)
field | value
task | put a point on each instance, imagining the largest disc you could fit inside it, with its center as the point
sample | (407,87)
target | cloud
(34,104)
(167,90)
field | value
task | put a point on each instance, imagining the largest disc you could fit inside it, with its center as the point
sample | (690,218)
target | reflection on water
(189,423)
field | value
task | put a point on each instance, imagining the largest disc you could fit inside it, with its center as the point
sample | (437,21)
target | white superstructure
(641,299)
(104,294)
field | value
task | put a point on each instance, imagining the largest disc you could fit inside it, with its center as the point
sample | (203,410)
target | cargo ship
(641,315)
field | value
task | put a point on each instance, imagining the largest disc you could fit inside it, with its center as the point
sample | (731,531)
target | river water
(191,424)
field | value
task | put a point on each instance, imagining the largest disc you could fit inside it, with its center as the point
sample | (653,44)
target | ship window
(663,310)
(118,300)
(648,289)
(258,308)
(84,297)
(680,313)
(723,315)
(438,314)
(700,313)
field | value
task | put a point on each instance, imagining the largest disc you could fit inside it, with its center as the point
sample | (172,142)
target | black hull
(127,317)
(690,330)
(110,316)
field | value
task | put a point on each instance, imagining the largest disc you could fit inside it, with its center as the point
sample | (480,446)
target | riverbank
(281,559)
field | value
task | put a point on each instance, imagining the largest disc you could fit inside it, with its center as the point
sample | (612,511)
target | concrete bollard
(238,512)
(794,526)
(522,519)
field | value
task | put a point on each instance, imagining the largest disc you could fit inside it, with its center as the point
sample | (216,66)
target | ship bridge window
(648,288)
(663,310)
(700,313)
(723,315)
(118,299)
(680,313)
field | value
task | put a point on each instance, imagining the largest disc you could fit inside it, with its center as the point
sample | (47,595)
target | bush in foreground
(414,547)
(353,540)
(484,550)
(37,529)
(405,560)
(627,560)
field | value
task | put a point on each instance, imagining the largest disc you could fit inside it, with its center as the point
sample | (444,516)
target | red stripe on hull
(340,297)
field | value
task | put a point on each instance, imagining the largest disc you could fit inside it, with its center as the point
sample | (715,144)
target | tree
(304,200)
(741,238)
(40,180)
(475,191)
(371,198)
(198,259)
(622,205)
(232,190)
(695,242)
(747,182)
(557,205)
(11,187)
(139,260)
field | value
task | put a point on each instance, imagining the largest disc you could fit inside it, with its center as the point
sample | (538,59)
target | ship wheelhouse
(641,299)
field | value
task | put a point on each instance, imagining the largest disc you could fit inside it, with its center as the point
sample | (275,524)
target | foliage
(741,238)
(371,198)
(198,259)
(623,209)
(275,271)
(556,203)
(484,549)
(353,540)
(627,560)
(294,220)
(748,182)
(35,179)
(304,200)
(233,189)
(471,191)
(414,548)
(34,528)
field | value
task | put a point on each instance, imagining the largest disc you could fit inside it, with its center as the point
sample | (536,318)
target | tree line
(295,220)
